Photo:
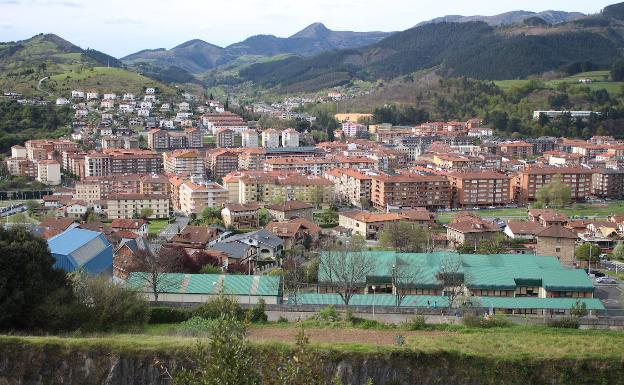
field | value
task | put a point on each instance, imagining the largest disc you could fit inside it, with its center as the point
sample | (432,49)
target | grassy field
(577,210)
(506,343)
(600,78)
(157,225)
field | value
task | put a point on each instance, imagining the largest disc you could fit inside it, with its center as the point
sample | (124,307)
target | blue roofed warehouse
(76,249)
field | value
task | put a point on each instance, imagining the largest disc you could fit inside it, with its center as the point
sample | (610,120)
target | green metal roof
(440,302)
(179,283)
(491,272)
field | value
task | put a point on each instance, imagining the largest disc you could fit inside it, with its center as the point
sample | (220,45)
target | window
(557,249)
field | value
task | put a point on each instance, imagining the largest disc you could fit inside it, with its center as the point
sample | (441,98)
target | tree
(404,275)
(345,267)
(329,215)
(146,213)
(317,196)
(212,215)
(579,309)
(26,278)
(155,263)
(618,251)
(263,217)
(404,237)
(293,276)
(32,206)
(617,71)
(451,276)
(227,360)
(583,252)
(554,194)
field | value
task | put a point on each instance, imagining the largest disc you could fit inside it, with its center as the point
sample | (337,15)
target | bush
(168,315)
(221,306)
(564,323)
(196,327)
(282,320)
(328,313)
(257,314)
(416,323)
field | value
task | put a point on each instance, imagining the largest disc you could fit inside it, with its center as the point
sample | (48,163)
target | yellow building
(128,206)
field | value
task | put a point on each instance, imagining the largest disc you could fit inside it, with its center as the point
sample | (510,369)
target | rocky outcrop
(48,364)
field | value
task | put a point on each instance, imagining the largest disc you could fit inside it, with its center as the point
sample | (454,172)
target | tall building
(184,162)
(432,192)
(249,139)
(225,138)
(194,197)
(485,188)
(530,180)
(608,183)
(49,172)
(220,162)
(119,162)
(270,138)
(128,206)
(290,138)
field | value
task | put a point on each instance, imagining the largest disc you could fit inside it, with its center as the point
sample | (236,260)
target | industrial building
(77,249)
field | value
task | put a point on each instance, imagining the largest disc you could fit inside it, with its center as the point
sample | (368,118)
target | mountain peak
(195,42)
(313,30)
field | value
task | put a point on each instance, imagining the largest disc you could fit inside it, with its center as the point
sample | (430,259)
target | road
(610,295)
(14,210)
(40,82)
(175,227)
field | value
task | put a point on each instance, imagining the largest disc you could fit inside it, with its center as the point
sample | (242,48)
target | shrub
(221,306)
(257,314)
(328,313)
(168,315)
(370,324)
(282,320)
(564,323)
(416,323)
(108,305)
(196,327)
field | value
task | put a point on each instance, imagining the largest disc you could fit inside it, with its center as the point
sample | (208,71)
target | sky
(122,27)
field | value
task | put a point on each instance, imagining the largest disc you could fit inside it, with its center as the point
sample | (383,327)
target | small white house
(145,112)
(150,91)
(184,106)
(147,105)
(110,96)
(128,97)
(107,104)
(150,98)
(92,96)
(77,94)
(106,131)
(62,102)
(165,107)
(125,108)
(167,124)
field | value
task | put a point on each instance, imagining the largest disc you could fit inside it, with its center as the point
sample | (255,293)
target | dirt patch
(362,336)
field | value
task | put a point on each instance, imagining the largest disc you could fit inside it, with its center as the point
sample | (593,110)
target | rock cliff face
(32,364)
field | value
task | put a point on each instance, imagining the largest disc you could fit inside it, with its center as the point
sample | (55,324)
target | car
(607,280)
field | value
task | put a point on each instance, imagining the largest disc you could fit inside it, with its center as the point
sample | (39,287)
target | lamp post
(373,301)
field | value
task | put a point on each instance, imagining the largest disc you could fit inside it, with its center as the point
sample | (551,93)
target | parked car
(607,280)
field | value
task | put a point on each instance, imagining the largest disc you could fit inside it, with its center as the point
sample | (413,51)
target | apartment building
(194,197)
(128,206)
(249,139)
(352,129)
(241,216)
(290,138)
(184,162)
(49,172)
(21,167)
(312,166)
(162,140)
(271,187)
(351,186)
(88,191)
(432,192)
(220,162)
(517,150)
(474,189)
(528,181)
(270,138)
(119,162)
(226,138)
(608,183)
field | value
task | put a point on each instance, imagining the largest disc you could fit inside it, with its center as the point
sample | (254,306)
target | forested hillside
(472,49)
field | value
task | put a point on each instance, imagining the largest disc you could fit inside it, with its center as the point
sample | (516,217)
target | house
(235,253)
(241,215)
(294,232)
(194,237)
(290,209)
(266,245)
(522,229)
(557,241)
(49,227)
(76,249)
(200,288)
(124,256)
(367,224)
(470,229)
(74,209)
(137,226)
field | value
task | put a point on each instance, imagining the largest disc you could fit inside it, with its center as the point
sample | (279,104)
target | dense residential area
(441,202)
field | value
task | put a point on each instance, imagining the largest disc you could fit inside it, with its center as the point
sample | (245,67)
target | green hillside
(24,64)
(601,81)
(102,79)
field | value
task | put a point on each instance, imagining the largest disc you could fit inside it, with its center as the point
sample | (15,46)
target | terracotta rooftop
(556,231)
